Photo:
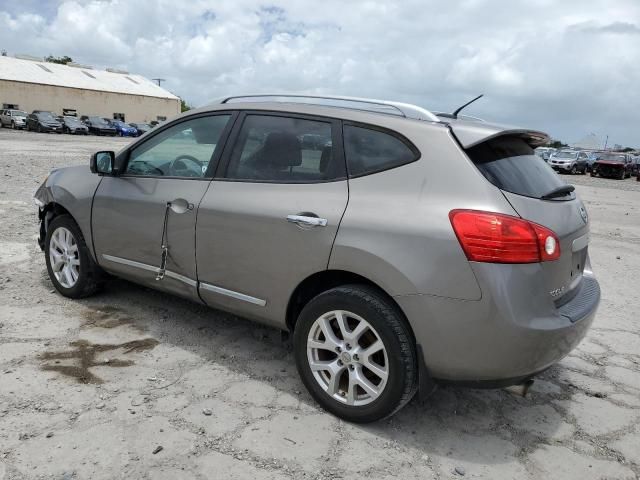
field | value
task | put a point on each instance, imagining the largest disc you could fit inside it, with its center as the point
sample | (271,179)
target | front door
(270,217)
(153,204)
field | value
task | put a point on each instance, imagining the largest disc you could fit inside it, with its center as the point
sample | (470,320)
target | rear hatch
(539,195)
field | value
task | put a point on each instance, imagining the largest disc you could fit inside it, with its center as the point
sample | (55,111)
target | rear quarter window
(511,165)
(369,150)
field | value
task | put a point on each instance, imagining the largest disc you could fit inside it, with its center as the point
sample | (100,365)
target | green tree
(61,60)
(184,106)
(557,144)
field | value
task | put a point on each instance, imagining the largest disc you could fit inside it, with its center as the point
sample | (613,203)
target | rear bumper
(506,337)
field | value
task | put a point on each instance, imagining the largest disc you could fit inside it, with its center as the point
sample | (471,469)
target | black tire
(39,128)
(90,277)
(593,173)
(574,170)
(13,125)
(392,329)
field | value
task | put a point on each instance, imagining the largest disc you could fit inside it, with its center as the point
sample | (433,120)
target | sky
(567,67)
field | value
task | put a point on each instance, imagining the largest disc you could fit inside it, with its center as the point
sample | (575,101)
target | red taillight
(498,238)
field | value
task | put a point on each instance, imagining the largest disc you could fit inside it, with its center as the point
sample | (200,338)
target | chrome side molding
(189,281)
(232,294)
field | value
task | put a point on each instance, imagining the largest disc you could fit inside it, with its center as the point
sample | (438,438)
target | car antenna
(456,112)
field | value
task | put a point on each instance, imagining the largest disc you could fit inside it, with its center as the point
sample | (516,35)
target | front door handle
(307,220)
(180,205)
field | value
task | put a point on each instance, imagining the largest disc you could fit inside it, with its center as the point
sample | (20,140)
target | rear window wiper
(558,192)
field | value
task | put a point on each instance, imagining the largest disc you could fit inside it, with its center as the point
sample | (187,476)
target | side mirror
(102,163)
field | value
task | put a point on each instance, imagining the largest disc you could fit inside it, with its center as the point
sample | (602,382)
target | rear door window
(511,165)
(369,150)
(282,149)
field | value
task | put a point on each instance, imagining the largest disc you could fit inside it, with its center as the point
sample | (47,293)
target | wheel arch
(325,280)
(50,211)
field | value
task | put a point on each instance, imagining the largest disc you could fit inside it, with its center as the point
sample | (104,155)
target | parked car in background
(591,158)
(613,165)
(13,118)
(73,125)
(99,126)
(141,127)
(123,129)
(42,121)
(569,161)
(430,250)
(635,164)
(545,152)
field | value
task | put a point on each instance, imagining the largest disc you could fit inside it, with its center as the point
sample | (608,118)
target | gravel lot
(221,396)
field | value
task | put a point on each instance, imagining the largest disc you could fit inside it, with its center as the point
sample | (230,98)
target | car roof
(469,132)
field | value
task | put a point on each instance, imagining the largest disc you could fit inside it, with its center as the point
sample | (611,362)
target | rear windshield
(511,165)
(612,158)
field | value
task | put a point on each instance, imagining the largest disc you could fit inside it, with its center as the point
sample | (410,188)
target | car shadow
(475,427)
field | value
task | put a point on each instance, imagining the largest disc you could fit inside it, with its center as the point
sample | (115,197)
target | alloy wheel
(64,257)
(347,358)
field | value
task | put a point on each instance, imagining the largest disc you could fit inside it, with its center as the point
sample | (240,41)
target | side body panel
(73,188)
(246,246)
(128,218)
(396,230)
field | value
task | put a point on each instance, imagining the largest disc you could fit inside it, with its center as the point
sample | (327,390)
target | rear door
(524,178)
(271,215)
(164,180)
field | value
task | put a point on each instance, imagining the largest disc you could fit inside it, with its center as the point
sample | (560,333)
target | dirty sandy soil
(135,384)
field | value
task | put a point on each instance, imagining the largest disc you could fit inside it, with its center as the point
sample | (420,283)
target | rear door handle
(307,220)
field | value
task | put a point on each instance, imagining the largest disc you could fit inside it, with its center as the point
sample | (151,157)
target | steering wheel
(183,170)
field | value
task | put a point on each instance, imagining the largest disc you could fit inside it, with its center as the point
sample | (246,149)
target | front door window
(183,150)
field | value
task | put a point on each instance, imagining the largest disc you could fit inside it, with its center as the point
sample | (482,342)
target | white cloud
(568,67)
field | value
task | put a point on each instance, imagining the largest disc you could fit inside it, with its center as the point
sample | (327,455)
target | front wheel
(71,269)
(355,353)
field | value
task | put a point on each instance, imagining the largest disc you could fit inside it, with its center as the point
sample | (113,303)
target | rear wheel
(71,269)
(355,353)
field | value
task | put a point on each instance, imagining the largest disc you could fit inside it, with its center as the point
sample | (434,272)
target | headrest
(281,150)
(325,158)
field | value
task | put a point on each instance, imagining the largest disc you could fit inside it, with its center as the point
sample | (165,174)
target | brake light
(498,238)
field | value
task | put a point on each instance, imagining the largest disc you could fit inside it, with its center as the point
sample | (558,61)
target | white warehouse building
(31,84)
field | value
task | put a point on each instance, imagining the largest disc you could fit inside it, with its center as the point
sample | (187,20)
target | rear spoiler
(471,133)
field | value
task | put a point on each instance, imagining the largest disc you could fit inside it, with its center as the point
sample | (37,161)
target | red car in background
(613,165)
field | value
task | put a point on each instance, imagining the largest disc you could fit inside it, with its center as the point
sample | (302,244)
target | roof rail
(366,104)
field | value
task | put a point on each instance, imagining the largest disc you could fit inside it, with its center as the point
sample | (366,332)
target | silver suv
(401,248)
(13,118)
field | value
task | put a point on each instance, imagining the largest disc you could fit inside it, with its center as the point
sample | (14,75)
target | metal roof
(19,70)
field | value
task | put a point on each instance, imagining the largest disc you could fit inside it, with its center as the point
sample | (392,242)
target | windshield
(97,120)
(144,125)
(610,157)
(18,113)
(45,116)
(510,164)
(565,155)
(71,120)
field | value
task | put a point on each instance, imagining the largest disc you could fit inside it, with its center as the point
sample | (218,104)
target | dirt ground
(135,384)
